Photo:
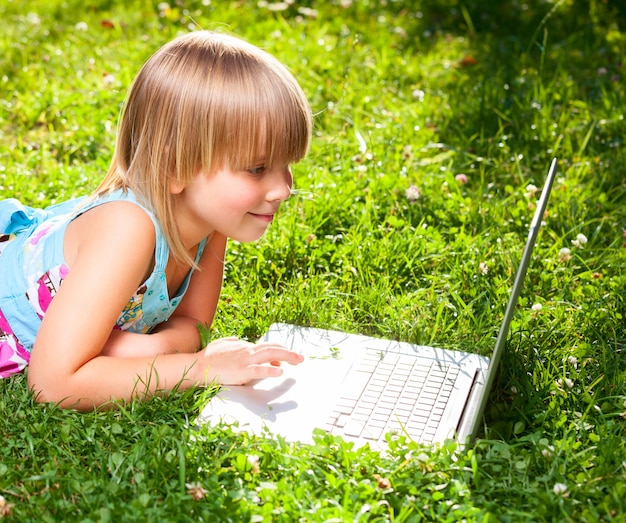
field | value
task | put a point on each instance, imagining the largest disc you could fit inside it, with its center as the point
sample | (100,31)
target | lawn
(435,122)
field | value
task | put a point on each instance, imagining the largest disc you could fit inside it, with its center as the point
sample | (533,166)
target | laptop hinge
(464,429)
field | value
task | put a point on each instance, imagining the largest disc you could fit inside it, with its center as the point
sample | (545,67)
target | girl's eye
(257,171)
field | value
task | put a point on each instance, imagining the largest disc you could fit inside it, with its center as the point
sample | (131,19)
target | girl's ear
(176,186)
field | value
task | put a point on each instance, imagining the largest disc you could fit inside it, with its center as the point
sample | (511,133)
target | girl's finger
(270,345)
(274,354)
(265,371)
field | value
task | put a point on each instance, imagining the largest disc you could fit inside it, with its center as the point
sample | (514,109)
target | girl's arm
(198,307)
(180,332)
(112,254)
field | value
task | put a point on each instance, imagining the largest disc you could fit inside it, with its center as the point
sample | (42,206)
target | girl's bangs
(268,123)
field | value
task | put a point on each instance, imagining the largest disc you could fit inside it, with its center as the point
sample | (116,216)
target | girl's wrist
(196,369)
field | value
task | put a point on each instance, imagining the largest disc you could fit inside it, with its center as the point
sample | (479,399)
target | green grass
(405,94)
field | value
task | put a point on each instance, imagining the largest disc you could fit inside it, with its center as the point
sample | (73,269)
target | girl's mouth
(263,217)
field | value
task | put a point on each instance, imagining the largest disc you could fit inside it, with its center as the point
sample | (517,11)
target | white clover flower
(108,79)
(196,491)
(483,268)
(461,178)
(6,509)
(573,361)
(569,383)
(531,190)
(254,460)
(278,6)
(307,11)
(82,26)
(580,241)
(537,307)
(548,451)
(412,193)
(418,94)
(560,489)
(33,18)
(565,255)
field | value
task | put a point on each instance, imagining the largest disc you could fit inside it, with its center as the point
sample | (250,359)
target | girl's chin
(248,238)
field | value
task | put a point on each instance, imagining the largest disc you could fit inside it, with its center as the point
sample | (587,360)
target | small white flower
(573,361)
(82,26)
(196,491)
(569,383)
(418,94)
(548,451)
(537,307)
(278,6)
(531,190)
(412,193)
(560,489)
(307,11)
(254,460)
(565,255)
(6,509)
(483,268)
(33,18)
(580,241)
(108,79)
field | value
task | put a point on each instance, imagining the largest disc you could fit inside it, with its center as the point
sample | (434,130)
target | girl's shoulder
(119,217)
(115,219)
(119,211)
(119,224)
(112,197)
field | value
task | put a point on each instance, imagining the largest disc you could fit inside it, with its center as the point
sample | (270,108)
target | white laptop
(365,388)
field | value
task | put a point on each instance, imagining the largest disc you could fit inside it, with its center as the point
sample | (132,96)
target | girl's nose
(280,182)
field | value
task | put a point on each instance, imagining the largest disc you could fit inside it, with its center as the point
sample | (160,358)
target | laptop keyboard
(390,392)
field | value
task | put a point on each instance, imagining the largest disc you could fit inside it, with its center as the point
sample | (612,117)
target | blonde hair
(201,102)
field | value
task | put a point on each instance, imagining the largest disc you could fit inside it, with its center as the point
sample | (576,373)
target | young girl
(102,296)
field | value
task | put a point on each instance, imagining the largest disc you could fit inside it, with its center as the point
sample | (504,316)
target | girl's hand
(231,361)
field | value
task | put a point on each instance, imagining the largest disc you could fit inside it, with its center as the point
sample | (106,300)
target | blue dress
(32,268)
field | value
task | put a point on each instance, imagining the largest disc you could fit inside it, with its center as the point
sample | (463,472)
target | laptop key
(353,428)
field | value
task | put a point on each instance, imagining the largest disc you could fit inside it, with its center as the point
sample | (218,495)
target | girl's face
(240,204)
